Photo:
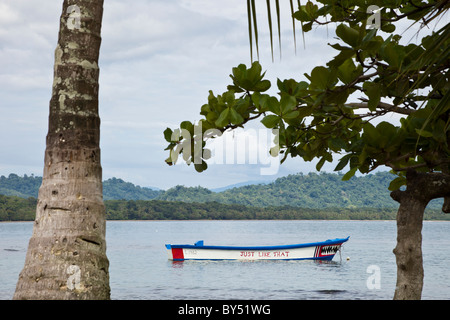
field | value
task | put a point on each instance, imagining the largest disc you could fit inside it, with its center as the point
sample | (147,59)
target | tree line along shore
(20,209)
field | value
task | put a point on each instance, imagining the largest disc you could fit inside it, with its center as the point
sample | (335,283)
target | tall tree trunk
(66,257)
(421,188)
(408,251)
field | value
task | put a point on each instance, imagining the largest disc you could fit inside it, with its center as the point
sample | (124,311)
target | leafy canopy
(316,117)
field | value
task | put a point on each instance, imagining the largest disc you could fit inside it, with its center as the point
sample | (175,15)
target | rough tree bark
(421,188)
(66,257)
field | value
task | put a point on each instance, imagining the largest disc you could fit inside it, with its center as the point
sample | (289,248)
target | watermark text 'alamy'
(250,146)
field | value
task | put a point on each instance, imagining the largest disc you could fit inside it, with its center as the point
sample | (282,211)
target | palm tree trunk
(66,257)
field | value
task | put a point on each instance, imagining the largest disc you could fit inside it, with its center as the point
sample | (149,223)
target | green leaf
(249,79)
(397,183)
(273,105)
(320,77)
(168,134)
(187,125)
(291,115)
(201,167)
(311,9)
(385,128)
(304,111)
(336,144)
(262,86)
(211,117)
(270,121)
(346,70)
(254,73)
(343,162)
(307,12)
(339,96)
(307,27)
(369,35)
(302,15)
(236,118)
(349,174)
(370,133)
(260,101)
(343,57)
(389,28)
(205,109)
(424,133)
(373,91)
(337,46)
(223,119)
(387,133)
(392,53)
(320,164)
(287,103)
(348,35)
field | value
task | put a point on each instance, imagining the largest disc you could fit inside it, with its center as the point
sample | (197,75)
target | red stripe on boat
(177,253)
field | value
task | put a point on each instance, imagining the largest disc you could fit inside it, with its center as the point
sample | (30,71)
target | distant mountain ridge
(312,190)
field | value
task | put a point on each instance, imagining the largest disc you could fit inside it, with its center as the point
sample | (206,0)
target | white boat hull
(324,250)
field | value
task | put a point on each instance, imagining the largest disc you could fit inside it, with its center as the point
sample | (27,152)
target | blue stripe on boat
(199,245)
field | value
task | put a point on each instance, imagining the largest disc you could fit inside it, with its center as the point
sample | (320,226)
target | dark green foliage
(28,186)
(168,210)
(17,209)
(187,194)
(24,187)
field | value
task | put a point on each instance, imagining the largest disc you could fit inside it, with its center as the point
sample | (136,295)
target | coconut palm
(66,257)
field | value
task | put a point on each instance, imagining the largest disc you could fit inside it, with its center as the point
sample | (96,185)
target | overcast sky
(158,60)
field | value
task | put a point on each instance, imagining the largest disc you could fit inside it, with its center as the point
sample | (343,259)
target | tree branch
(382,105)
(425,186)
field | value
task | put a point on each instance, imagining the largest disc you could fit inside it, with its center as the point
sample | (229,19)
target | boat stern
(175,254)
(169,251)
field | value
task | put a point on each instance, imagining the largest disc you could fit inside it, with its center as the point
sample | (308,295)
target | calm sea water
(139,268)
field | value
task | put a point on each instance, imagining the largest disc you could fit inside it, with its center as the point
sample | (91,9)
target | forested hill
(23,187)
(117,189)
(322,190)
(313,190)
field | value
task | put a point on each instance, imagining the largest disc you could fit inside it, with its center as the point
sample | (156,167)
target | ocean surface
(139,269)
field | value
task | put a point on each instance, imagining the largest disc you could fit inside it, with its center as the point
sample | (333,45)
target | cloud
(158,61)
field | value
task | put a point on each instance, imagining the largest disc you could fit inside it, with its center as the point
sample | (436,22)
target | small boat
(324,250)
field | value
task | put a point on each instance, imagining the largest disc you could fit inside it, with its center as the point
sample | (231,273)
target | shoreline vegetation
(19,209)
(313,196)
